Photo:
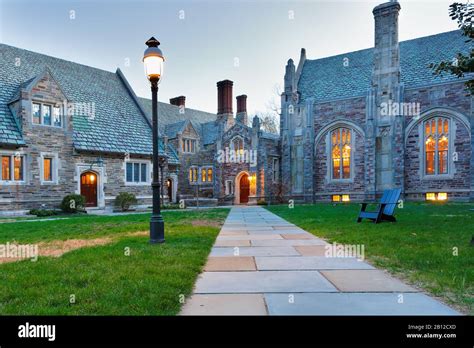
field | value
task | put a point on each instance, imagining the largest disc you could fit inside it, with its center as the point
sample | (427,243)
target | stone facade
(387,149)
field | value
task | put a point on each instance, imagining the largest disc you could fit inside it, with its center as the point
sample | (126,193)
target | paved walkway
(261,264)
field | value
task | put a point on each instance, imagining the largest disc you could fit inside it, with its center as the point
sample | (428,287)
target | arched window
(238,145)
(436,139)
(341,153)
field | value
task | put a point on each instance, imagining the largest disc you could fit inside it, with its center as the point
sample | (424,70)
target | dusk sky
(203,40)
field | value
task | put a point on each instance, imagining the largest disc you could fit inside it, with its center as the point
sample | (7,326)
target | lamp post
(153,60)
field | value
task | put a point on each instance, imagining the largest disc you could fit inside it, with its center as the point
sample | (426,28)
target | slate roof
(118,126)
(328,79)
(169,115)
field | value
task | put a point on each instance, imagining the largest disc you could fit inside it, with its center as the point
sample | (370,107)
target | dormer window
(47,115)
(189,145)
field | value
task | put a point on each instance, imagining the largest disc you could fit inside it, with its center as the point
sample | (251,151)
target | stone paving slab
(275,232)
(251,237)
(235,263)
(312,250)
(231,243)
(260,282)
(233,233)
(300,235)
(225,304)
(254,251)
(355,304)
(308,263)
(289,242)
(365,281)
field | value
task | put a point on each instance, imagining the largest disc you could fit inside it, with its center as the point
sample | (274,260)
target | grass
(152,280)
(418,248)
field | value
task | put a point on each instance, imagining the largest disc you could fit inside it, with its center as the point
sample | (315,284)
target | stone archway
(89,190)
(242,188)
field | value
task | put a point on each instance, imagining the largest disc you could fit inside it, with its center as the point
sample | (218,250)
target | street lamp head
(153,60)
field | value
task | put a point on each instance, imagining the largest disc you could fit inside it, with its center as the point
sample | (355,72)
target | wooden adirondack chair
(385,209)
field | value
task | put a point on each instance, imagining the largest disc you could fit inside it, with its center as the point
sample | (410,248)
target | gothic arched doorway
(244,189)
(89,188)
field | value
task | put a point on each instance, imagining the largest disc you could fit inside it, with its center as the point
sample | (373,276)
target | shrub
(42,212)
(261,202)
(124,200)
(73,203)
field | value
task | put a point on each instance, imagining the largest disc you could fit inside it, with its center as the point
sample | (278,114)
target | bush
(73,204)
(261,202)
(171,206)
(42,212)
(124,200)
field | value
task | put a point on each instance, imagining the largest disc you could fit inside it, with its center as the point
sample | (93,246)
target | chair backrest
(390,198)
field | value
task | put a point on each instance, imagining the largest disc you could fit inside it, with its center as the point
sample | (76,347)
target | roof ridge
(371,48)
(57,58)
(168,104)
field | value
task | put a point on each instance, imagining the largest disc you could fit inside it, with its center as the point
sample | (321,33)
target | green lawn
(417,248)
(103,280)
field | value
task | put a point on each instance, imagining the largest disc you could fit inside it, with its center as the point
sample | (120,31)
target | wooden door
(89,188)
(169,184)
(244,189)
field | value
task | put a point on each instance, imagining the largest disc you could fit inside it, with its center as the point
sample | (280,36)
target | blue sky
(203,40)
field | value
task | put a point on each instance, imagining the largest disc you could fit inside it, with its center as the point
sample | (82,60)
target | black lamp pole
(157,225)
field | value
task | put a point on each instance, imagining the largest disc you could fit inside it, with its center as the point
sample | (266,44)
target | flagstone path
(263,265)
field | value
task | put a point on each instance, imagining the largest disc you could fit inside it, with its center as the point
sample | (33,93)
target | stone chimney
(178,101)
(224,103)
(386,74)
(242,109)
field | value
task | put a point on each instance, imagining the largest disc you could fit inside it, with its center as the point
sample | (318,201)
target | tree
(270,119)
(461,64)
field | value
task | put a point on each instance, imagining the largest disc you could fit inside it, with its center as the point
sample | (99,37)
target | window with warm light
(436,136)
(430,196)
(346,198)
(341,153)
(47,169)
(442,196)
(336,198)
(189,145)
(12,168)
(193,175)
(436,196)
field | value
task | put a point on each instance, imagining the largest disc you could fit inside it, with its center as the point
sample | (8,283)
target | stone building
(68,128)
(351,126)
(355,124)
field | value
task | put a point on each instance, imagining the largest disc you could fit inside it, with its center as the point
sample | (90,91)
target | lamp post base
(157,229)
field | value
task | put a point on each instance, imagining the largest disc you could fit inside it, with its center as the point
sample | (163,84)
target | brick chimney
(178,101)
(242,109)
(224,103)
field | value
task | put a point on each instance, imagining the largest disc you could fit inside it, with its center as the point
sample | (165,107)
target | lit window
(336,198)
(442,196)
(6,168)
(136,172)
(436,145)
(430,196)
(203,175)
(193,174)
(341,153)
(209,174)
(47,169)
(12,168)
(346,198)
